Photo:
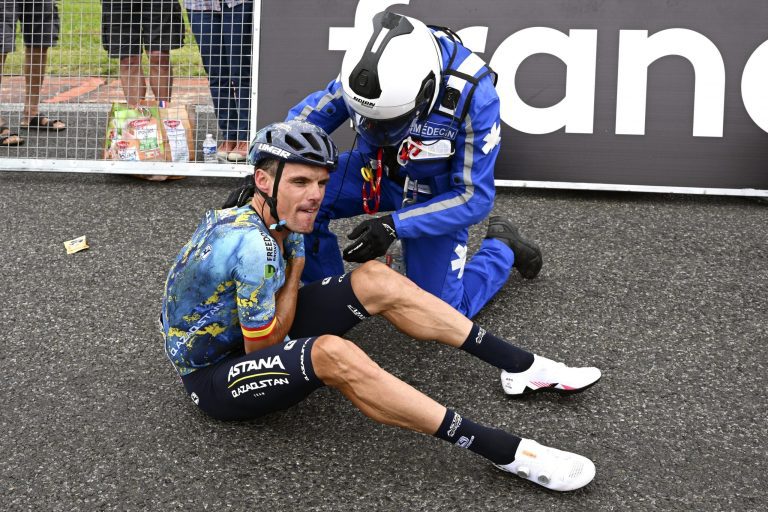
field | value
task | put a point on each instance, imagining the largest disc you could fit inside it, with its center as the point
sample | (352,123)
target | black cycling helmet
(291,141)
(294,141)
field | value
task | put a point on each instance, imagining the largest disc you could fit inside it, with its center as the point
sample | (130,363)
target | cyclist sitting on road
(247,340)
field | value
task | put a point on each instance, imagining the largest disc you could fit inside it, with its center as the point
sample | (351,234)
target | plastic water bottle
(394,257)
(209,149)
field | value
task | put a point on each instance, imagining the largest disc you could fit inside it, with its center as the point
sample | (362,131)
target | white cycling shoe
(554,469)
(547,375)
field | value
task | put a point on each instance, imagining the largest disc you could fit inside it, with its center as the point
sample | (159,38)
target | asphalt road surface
(668,295)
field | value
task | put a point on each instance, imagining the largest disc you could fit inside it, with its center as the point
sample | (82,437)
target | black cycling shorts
(251,385)
(151,25)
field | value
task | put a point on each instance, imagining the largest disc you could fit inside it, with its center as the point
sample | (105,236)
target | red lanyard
(373,190)
(408,150)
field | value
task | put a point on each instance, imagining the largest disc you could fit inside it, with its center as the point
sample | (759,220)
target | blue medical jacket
(462,185)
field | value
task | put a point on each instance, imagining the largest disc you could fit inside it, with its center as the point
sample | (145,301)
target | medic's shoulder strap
(464,71)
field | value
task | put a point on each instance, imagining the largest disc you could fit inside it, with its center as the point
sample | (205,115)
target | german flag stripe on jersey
(259,333)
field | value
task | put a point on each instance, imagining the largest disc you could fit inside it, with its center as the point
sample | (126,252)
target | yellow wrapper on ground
(76,245)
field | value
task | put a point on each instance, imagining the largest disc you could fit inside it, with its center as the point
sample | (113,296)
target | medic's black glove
(242,194)
(372,238)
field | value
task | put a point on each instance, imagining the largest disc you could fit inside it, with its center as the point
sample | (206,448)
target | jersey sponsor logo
(195,398)
(455,424)
(289,345)
(202,322)
(274,150)
(303,355)
(261,384)
(363,102)
(269,246)
(465,442)
(206,252)
(326,281)
(480,336)
(254,365)
(356,312)
(390,230)
(434,130)
(269,271)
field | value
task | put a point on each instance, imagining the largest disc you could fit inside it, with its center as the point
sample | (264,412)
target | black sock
(496,351)
(495,445)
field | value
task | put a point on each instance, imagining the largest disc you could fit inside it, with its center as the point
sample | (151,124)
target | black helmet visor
(383,132)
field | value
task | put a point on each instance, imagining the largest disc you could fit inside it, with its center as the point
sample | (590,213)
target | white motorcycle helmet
(391,77)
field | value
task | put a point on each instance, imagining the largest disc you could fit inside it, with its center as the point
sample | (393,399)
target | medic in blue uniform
(428,130)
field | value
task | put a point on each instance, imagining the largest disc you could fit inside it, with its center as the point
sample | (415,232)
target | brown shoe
(239,153)
(222,152)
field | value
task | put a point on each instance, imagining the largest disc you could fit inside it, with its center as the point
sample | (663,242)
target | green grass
(79,52)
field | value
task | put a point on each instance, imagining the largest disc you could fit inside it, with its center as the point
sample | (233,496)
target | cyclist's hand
(293,269)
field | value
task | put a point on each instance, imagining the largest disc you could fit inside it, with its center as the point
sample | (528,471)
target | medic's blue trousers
(436,263)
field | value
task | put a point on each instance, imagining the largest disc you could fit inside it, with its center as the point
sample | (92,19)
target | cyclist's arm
(258,278)
(267,288)
(285,308)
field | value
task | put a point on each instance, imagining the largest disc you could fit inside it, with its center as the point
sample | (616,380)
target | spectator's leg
(206,26)
(40,31)
(7,34)
(2,67)
(35,59)
(239,23)
(7,45)
(7,138)
(132,79)
(162,30)
(160,75)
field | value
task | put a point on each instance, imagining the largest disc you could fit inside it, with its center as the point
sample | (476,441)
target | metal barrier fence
(613,106)
(65,64)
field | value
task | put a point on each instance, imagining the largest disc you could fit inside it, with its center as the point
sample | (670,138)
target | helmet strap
(271,201)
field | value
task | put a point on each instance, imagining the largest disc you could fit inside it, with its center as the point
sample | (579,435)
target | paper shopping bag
(134,134)
(179,132)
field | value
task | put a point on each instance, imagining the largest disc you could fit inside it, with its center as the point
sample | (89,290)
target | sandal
(40,122)
(5,134)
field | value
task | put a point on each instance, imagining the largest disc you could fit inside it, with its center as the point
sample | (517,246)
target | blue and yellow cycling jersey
(221,289)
